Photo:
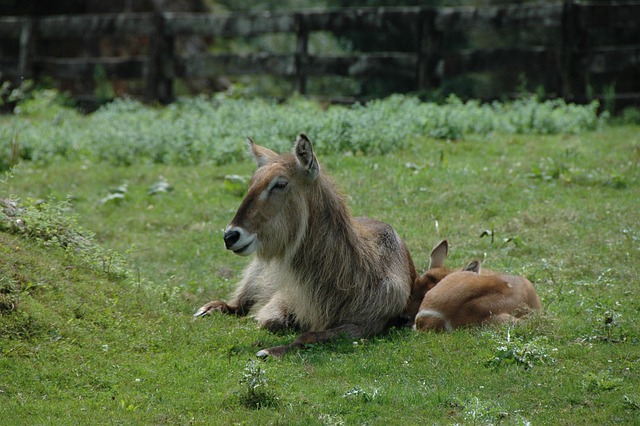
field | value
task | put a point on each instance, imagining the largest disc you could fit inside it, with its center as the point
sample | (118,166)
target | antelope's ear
(439,254)
(261,155)
(473,266)
(306,158)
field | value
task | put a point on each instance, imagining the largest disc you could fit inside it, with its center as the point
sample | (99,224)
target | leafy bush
(204,129)
(514,349)
(257,394)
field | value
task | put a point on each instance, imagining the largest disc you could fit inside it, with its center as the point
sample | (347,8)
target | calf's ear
(306,158)
(473,266)
(439,254)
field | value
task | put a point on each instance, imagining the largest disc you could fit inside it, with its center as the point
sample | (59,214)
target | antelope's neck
(331,244)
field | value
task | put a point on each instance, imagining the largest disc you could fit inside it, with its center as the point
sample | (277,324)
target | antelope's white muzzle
(240,241)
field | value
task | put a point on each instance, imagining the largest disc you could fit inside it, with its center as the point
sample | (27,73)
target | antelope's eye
(280,184)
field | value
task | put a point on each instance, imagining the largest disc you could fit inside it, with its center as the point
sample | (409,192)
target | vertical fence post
(167,64)
(26,53)
(566,49)
(429,50)
(160,64)
(302,53)
(572,56)
(151,73)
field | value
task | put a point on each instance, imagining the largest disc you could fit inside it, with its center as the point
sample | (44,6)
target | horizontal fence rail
(570,60)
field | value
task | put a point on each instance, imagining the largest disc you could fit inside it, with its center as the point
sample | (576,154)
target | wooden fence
(571,62)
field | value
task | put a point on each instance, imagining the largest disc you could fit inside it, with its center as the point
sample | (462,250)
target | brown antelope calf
(460,298)
(316,268)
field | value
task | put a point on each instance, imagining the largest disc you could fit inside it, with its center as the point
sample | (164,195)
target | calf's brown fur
(470,297)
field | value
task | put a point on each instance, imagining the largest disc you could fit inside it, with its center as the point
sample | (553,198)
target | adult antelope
(316,268)
(461,298)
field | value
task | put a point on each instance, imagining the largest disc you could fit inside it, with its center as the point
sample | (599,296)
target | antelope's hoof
(275,352)
(209,308)
(263,354)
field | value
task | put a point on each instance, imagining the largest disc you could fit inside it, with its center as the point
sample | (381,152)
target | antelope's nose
(230,238)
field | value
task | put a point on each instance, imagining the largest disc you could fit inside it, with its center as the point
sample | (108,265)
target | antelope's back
(393,253)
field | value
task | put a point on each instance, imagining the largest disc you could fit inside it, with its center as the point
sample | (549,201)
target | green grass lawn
(85,344)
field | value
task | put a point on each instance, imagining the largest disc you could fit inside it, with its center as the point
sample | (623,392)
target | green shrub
(519,351)
(202,129)
(257,394)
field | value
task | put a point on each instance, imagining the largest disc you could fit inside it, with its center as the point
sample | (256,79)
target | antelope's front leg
(239,305)
(218,306)
(275,315)
(352,331)
(245,296)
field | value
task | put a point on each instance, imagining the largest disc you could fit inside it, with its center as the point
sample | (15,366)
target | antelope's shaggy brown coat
(316,267)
